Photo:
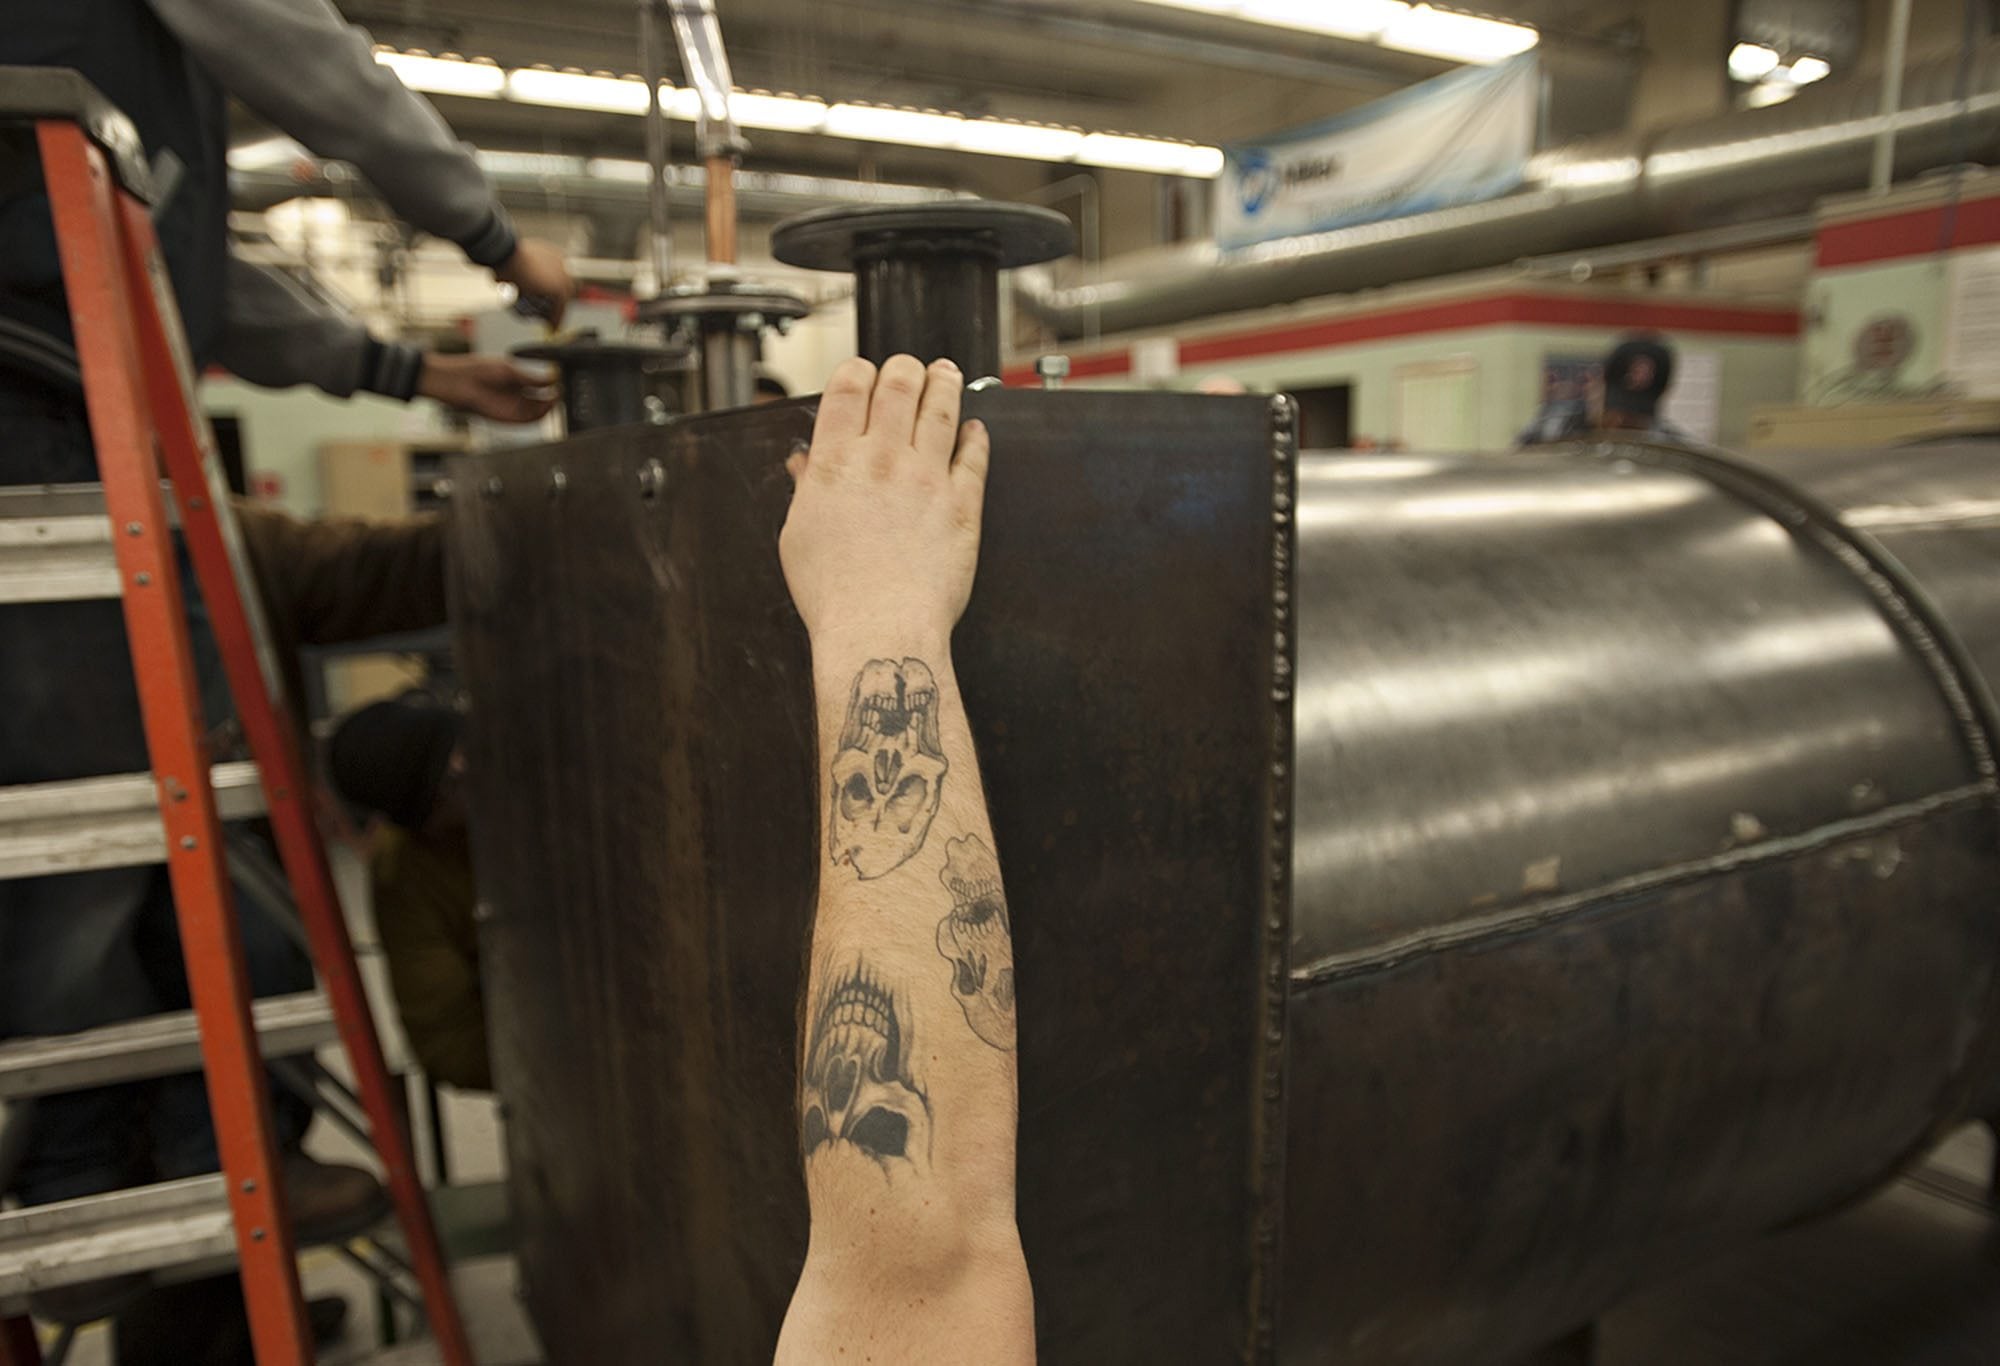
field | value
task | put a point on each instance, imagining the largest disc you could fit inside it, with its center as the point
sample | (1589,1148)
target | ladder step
(55,544)
(159,1046)
(109,822)
(179,1224)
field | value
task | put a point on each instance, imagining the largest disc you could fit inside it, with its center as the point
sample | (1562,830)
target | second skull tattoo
(888,773)
(857,1086)
(978,940)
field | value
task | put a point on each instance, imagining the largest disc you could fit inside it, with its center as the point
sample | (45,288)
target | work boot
(331,1203)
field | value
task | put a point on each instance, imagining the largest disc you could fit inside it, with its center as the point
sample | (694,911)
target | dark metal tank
(1451,891)
(1639,897)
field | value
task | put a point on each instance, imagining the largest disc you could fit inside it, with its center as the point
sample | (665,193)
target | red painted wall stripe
(1521,309)
(1973,223)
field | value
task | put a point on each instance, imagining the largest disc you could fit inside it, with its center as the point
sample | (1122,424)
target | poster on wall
(1972,333)
(1693,402)
(1461,137)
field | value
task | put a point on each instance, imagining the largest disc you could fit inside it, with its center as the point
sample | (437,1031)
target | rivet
(133,528)
(558,481)
(188,842)
(197,502)
(249,1186)
(652,478)
(256,1235)
(142,578)
(492,487)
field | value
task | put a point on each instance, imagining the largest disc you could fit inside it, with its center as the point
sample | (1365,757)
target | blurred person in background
(1637,375)
(400,761)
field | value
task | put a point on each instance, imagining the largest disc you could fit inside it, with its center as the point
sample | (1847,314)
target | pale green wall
(1755,370)
(284,429)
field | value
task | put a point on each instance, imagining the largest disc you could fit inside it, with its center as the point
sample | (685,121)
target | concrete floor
(1910,1277)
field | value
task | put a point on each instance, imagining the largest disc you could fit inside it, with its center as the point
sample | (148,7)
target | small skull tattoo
(888,774)
(857,1086)
(977,938)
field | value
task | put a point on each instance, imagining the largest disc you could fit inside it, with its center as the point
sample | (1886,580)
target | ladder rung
(55,544)
(176,1224)
(159,1046)
(109,822)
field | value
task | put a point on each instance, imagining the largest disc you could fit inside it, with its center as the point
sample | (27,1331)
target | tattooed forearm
(858,1086)
(888,774)
(978,939)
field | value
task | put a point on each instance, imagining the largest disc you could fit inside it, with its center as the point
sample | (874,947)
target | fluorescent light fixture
(1767,93)
(576,90)
(1119,152)
(445,75)
(1361,20)
(1752,61)
(456,75)
(619,169)
(265,154)
(1456,37)
(1806,70)
(529,163)
(1422,29)
(1033,141)
(778,113)
(875,123)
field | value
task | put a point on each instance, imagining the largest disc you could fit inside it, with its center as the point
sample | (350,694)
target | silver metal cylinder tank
(1644,864)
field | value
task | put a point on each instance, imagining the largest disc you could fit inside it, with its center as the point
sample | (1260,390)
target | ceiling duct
(1755,163)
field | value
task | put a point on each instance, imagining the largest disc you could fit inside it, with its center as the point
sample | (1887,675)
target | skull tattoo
(888,774)
(978,940)
(857,1086)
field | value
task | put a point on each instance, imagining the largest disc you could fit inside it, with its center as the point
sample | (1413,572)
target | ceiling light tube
(1752,61)
(575,90)
(875,123)
(778,113)
(1362,20)
(1033,141)
(1455,37)
(1117,151)
(445,75)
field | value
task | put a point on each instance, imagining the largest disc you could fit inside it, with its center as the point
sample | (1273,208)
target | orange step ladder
(138,389)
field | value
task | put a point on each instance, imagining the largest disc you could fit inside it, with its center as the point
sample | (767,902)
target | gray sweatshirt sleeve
(306,69)
(276,335)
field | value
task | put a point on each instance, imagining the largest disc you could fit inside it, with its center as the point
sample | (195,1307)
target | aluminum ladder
(145,425)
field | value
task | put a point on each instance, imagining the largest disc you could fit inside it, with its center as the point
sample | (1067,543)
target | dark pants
(95,948)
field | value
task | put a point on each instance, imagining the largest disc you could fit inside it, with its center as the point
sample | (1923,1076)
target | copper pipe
(721,210)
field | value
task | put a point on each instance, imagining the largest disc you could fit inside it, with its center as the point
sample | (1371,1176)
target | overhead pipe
(716,134)
(1770,161)
(1892,94)
(660,228)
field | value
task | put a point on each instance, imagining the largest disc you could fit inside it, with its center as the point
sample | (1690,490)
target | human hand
(537,270)
(883,531)
(491,386)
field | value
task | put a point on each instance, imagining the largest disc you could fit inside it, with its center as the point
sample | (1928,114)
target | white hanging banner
(1463,136)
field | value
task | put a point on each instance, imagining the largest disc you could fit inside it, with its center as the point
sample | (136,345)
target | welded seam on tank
(1917,619)
(1902,599)
(1514,921)
(1267,1176)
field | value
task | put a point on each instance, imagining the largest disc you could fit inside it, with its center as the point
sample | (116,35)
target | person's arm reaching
(276,335)
(306,69)
(907,1097)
